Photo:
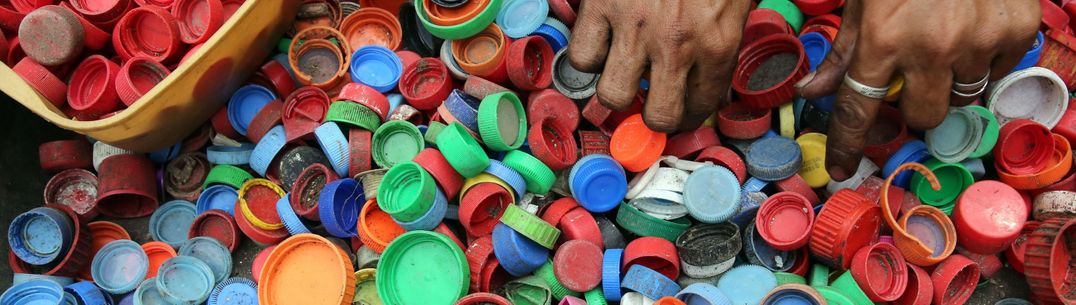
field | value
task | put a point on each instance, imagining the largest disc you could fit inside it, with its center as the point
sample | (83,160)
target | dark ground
(22,182)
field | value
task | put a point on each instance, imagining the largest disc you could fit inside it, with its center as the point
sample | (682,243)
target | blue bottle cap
(464,108)
(220,197)
(791,296)
(556,39)
(749,204)
(599,183)
(212,253)
(517,254)
(339,205)
(585,159)
(509,176)
(519,18)
(450,61)
(563,29)
(291,221)
(395,100)
(32,293)
(231,155)
(747,284)
(40,235)
(816,47)
(774,158)
(170,222)
(335,145)
(377,67)
(119,266)
(432,217)
(127,299)
(703,294)
(234,291)
(266,150)
(754,185)
(185,280)
(1031,58)
(69,299)
(712,194)
(166,154)
(245,103)
(19,278)
(611,274)
(911,151)
(760,253)
(87,293)
(147,293)
(649,283)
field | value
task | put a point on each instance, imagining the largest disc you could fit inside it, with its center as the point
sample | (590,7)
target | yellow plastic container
(191,94)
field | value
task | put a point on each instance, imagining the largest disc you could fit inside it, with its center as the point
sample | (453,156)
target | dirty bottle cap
(120,266)
(218,225)
(257,203)
(198,19)
(747,284)
(372,26)
(308,258)
(40,236)
(148,31)
(988,216)
(759,252)
(848,221)
(234,290)
(462,151)
(93,86)
(502,122)
(958,136)
(245,104)
(880,271)
(138,76)
(339,204)
(655,253)
(529,62)
(127,186)
(1040,259)
(920,289)
(212,253)
(954,280)
(401,264)
(572,83)
(75,188)
(756,84)
(519,18)
(701,200)
(553,144)
(538,176)
(222,197)
(457,23)
(577,265)
(649,283)
(774,158)
(784,220)
(51,35)
(1008,97)
(169,223)
(709,244)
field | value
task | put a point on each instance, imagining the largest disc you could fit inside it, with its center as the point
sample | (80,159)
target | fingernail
(838,173)
(806,80)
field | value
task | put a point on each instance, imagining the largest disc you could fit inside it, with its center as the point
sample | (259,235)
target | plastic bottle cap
(257,203)
(198,19)
(377,228)
(709,244)
(773,158)
(1033,54)
(763,22)
(377,67)
(132,37)
(572,83)
(212,253)
(880,271)
(553,144)
(408,191)
(51,35)
(654,253)
(747,284)
(235,290)
(170,222)
(598,182)
(75,188)
(625,141)
(457,23)
(519,18)
(1007,97)
(339,204)
(1040,259)
(758,54)
(34,291)
(502,121)
(311,259)
(530,60)
(42,80)
(515,183)
(372,26)
(538,176)
(431,217)
(410,257)
(92,86)
(920,289)
(481,207)
(988,216)
(137,77)
(577,265)
(957,137)
(120,266)
(954,179)
(425,83)
(550,104)
(848,221)
(759,252)
(649,283)
(40,235)
(954,280)
(911,151)
(1023,147)
(395,142)
(784,220)
(707,194)
(518,254)
(218,225)
(184,280)
(245,104)
(555,33)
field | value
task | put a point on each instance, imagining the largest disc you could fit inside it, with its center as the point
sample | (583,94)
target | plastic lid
(309,259)
(709,244)
(1033,54)
(553,144)
(185,280)
(372,26)
(759,252)
(51,35)
(625,144)
(530,62)
(518,254)
(925,234)
(502,121)
(198,19)
(410,258)
(338,207)
(784,220)
(649,283)
(407,191)
(221,197)
(426,83)
(848,221)
(954,280)
(530,226)
(245,103)
(1023,147)
(539,177)
(954,178)
(457,23)
(212,253)
(957,137)
(170,222)
(1008,97)
(34,292)
(911,151)
(761,87)
(259,262)
(813,148)
(41,235)
(218,225)
(377,227)
(787,9)
(577,265)
(598,183)
(571,82)
(234,291)
(711,194)
(132,36)
(793,294)
(120,266)
(989,216)
(920,289)
(92,86)
(773,158)
(483,54)
(229,155)
(655,253)
(86,292)
(991,131)
(747,284)
(816,46)
(41,80)
(377,67)
(432,216)
(366,287)
(880,271)
(396,141)
(257,203)
(481,207)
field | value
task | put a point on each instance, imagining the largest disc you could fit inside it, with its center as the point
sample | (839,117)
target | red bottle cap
(217,224)
(848,221)
(198,19)
(830,20)
(366,96)
(577,265)
(1053,17)
(481,207)
(1067,125)
(796,184)
(222,125)
(723,156)
(262,237)
(1047,261)
(530,63)
(447,178)
(598,115)
(14,51)
(306,193)
(758,54)
(304,110)
(479,255)
(654,253)
(101,11)
(52,35)
(259,262)
(550,103)
(886,136)
(1024,147)
(880,271)
(738,121)
(578,224)
(761,23)
(688,143)
(593,142)
(555,211)
(42,80)
(94,37)
(408,57)
(784,220)
(989,216)
(137,76)
(79,252)
(954,280)
(148,31)
(1014,255)
(268,117)
(553,145)
(479,87)
(563,11)
(361,158)
(818,7)
(60,155)
(93,86)
(920,290)
(425,83)
(483,298)
(989,264)
(372,26)
(278,77)
(127,186)
(165,4)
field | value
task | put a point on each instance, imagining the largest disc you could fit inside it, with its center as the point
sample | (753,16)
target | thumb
(827,78)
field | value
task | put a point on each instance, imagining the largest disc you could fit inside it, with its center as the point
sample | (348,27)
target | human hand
(932,44)
(689,46)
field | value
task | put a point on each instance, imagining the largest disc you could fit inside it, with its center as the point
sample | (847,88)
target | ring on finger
(975,94)
(958,86)
(864,90)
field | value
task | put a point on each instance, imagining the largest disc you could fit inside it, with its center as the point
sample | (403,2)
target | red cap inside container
(148,31)
(42,80)
(137,77)
(989,216)
(93,86)
(530,63)
(784,220)
(198,19)
(880,271)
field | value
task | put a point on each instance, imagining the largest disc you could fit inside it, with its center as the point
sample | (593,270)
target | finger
(972,71)
(707,88)
(620,80)
(854,114)
(590,44)
(664,106)
(829,75)
(1008,58)
(925,99)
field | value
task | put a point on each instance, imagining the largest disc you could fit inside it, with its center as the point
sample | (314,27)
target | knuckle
(661,121)
(852,116)
(615,96)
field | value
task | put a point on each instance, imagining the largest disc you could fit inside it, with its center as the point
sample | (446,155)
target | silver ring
(958,86)
(864,90)
(962,94)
